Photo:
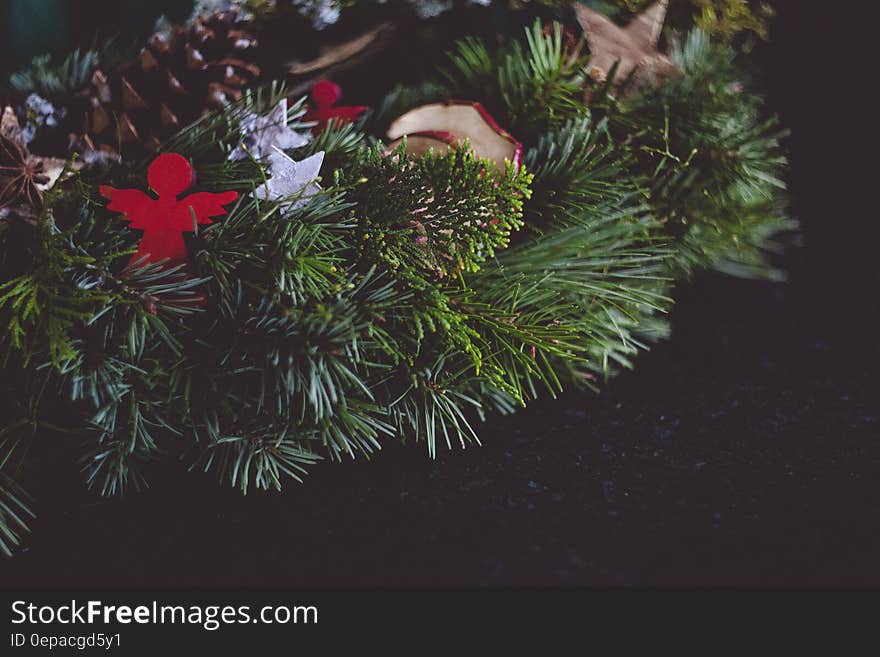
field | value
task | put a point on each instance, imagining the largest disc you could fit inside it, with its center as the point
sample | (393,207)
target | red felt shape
(325,95)
(165,219)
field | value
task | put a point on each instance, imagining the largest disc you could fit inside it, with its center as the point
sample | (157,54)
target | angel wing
(133,203)
(203,205)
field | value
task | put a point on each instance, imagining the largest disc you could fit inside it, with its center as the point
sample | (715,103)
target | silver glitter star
(290,178)
(260,134)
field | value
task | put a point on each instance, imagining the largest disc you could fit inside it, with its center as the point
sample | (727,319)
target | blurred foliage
(722,20)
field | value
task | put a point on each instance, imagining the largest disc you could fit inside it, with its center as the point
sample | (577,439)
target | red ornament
(325,94)
(164,220)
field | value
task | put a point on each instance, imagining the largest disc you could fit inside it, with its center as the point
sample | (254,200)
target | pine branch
(536,86)
(713,163)
(14,509)
(56,82)
(14,513)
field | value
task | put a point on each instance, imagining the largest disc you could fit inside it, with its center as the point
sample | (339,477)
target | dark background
(743,451)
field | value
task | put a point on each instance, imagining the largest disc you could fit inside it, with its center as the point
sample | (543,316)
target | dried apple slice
(421,143)
(449,123)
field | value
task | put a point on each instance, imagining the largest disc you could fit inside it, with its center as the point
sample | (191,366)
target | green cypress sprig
(435,216)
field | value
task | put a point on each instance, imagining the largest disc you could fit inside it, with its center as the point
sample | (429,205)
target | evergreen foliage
(715,161)
(437,215)
(722,20)
(56,81)
(408,299)
(699,147)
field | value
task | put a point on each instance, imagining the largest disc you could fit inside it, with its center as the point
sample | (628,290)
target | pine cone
(175,79)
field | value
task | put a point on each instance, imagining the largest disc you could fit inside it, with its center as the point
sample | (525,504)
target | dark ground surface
(744,451)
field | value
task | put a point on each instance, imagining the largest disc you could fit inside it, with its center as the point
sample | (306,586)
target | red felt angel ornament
(165,219)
